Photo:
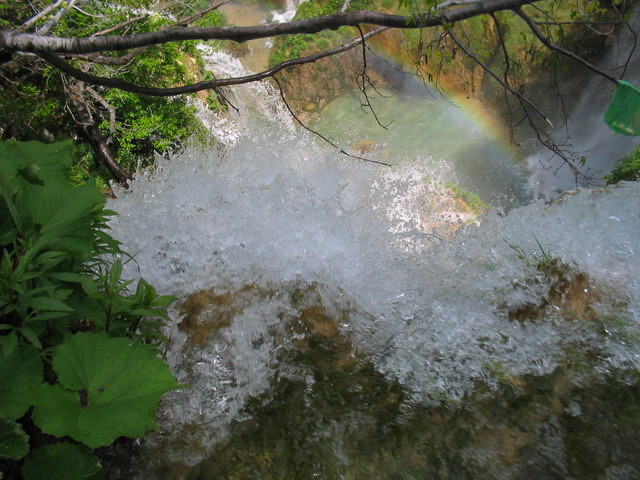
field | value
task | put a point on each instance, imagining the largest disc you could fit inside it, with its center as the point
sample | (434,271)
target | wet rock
(206,312)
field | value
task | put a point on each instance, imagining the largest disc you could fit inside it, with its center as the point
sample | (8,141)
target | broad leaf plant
(79,354)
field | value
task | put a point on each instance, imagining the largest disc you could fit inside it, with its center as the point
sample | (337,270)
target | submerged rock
(328,413)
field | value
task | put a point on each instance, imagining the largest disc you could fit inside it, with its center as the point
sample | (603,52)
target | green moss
(474,201)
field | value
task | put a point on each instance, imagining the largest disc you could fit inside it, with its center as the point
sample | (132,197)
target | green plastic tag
(623,115)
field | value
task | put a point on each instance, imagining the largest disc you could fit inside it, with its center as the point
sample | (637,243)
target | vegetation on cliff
(460,54)
(68,60)
(38,102)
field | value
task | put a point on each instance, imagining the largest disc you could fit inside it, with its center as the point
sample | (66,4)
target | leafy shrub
(355,5)
(309,9)
(144,126)
(77,343)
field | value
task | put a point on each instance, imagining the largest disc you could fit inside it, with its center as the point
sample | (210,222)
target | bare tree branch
(78,9)
(199,15)
(125,59)
(119,26)
(13,40)
(503,46)
(633,49)
(510,115)
(583,22)
(93,134)
(42,13)
(110,108)
(455,3)
(69,69)
(56,19)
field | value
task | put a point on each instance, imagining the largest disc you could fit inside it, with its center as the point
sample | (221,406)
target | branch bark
(69,69)
(93,134)
(109,108)
(125,59)
(41,14)
(14,40)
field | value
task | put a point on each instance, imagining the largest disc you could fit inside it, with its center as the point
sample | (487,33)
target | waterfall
(279,246)
(290,11)
(586,134)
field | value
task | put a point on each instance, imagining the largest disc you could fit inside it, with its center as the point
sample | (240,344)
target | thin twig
(490,72)
(633,49)
(77,8)
(552,46)
(362,79)
(456,3)
(511,114)
(318,134)
(118,26)
(40,14)
(56,19)
(582,22)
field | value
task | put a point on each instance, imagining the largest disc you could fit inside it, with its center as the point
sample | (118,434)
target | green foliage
(138,314)
(16,391)
(309,9)
(628,168)
(61,273)
(356,5)
(62,461)
(108,387)
(148,125)
(30,109)
(317,8)
(34,106)
(293,46)
(14,443)
(60,216)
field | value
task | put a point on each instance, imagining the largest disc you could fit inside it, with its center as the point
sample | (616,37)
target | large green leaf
(20,376)
(108,387)
(62,461)
(47,156)
(14,443)
(45,200)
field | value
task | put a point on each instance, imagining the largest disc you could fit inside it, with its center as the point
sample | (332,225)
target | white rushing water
(274,209)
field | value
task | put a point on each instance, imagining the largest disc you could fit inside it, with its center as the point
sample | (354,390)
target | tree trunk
(93,134)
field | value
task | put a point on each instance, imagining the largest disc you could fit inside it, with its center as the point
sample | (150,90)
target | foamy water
(276,211)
